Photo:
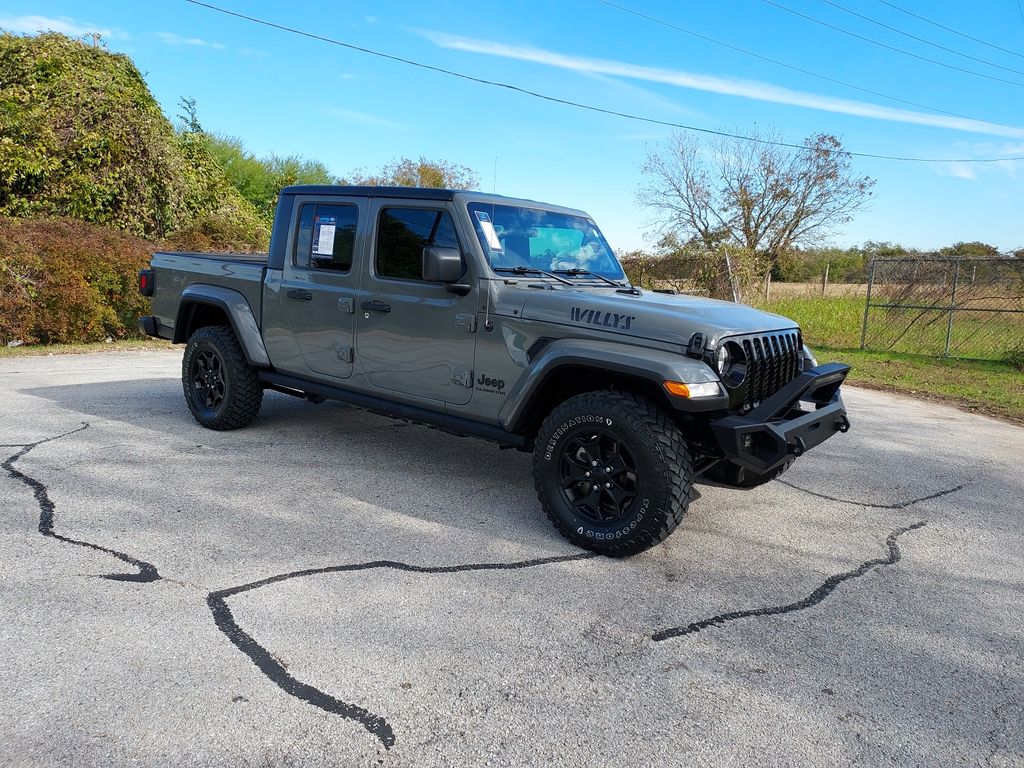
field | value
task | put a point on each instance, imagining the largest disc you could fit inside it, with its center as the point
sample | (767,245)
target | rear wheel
(612,472)
(221,388)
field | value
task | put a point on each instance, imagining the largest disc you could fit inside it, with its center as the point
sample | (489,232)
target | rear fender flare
(240,315)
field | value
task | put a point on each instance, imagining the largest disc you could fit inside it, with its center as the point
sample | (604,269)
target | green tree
(81,136)
(972,250)
(405,172)
(259,180)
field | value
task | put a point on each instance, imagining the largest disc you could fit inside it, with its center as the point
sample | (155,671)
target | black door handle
(300,295)
(375,306)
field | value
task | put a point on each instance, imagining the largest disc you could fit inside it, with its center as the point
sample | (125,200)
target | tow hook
(843,425)
(798,447)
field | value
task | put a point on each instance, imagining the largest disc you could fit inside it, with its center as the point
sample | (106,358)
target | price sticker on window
(488,228)
(323,235)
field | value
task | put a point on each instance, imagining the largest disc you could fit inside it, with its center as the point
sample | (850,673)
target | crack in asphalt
(47,512)
(279,675)
(276,671)
(893,556)
(898,505)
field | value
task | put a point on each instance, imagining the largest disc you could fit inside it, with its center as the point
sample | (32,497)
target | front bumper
(778,428)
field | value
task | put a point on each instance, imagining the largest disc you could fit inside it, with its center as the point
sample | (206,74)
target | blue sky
(291,95)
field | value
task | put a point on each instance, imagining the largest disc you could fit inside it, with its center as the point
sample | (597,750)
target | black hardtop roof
(416,193)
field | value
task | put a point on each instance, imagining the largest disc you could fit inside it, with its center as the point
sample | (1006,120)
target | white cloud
(730,86)
(63,24)
(172,39)
(362,118)
(1012,168)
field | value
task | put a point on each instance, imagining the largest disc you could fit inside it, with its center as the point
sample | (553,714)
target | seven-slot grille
(773,360)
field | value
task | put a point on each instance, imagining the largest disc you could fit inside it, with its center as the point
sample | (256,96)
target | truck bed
(177,270)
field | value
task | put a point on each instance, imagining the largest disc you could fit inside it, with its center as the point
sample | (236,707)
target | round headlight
(731,364)
(722,359)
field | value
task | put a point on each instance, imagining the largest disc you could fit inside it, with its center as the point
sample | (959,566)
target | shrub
(82,136)
(65,281)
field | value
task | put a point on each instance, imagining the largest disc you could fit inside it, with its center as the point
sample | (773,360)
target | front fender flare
(239,313)
(653,365)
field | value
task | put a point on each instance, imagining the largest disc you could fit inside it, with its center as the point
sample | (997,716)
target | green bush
(65,281)
(81,136)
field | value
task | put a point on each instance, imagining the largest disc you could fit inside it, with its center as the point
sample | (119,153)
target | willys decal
(601,319)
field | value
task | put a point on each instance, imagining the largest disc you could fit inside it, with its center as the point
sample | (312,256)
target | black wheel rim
(209,386)
(598,476)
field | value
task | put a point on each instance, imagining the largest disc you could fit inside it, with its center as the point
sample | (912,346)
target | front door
(414,337)
(319,288)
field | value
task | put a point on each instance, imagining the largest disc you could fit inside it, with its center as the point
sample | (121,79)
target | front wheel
(612,471)
(221,388)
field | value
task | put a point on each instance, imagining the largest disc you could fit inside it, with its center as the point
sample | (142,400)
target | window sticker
(492,237)
(323,235)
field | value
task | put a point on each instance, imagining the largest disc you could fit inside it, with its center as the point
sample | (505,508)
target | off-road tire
(736,477)
(664,473)
(241,393)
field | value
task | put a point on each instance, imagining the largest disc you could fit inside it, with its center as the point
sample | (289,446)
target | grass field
(129,345)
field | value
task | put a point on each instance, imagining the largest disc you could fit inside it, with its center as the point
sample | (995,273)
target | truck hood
(655,316)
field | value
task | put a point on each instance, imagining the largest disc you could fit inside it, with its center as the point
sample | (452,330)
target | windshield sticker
(323,235)
(492,237)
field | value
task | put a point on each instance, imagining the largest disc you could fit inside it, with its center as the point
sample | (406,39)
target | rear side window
(403,233)
(326,238)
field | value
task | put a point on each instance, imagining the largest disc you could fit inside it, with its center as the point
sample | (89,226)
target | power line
(793,67)
(892,47)
(579,105)
(964,35)
(955,52)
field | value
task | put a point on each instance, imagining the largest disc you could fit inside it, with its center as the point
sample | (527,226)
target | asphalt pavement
(332,587)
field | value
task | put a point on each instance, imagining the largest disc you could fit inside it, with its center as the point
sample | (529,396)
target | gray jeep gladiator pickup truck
(504,319)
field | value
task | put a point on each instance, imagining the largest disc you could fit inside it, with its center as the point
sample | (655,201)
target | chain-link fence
(950,307)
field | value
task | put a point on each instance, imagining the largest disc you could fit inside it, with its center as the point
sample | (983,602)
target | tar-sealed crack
(897,505)
(47,514)
(279,675)
(892,557)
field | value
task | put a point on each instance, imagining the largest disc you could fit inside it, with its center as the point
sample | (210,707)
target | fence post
(768,287)
(952,308)
(867,303)
(824,278)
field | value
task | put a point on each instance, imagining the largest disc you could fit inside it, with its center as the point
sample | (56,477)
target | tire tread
(246,391)
(668,445)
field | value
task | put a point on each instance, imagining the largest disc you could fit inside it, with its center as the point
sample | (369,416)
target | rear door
(318,292)
(415,337)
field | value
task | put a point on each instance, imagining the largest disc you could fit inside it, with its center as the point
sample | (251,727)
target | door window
(326,237)
(403,233)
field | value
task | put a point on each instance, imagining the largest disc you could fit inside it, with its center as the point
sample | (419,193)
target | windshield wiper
(521,270)
(578,271)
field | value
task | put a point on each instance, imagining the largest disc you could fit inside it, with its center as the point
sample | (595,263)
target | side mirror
(442,265)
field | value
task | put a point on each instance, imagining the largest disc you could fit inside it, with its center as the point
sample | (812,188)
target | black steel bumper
(778,428)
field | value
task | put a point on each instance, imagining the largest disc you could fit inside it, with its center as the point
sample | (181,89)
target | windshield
(513,236)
